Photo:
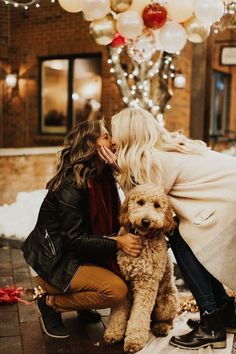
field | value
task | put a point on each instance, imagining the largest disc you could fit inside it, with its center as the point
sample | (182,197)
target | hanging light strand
(25,4)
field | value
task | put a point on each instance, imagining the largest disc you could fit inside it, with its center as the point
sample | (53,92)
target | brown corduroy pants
(92,287)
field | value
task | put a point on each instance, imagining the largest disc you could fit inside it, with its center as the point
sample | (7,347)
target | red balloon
(154,15)
(118,40)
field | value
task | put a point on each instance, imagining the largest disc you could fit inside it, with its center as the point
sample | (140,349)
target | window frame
(225,122)
(71,58)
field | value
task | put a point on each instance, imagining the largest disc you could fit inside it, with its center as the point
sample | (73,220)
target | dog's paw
(135,343)
(113,336)
(161,329)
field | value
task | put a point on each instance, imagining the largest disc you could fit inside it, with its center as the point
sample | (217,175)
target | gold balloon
(103,31)
(197,32)
(120,5)
(139,5)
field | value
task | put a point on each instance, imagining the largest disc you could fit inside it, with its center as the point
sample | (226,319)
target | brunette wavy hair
(78,155)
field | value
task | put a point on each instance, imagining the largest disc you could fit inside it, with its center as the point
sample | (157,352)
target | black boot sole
(216,345)
(50,334)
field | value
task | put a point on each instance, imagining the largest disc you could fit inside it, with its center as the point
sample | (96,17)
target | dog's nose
(145,222)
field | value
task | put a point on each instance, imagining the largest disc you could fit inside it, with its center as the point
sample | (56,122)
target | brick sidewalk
(20,331)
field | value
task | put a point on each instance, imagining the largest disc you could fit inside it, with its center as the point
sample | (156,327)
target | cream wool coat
(202,192)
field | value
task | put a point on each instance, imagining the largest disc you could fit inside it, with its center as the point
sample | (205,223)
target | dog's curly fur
(150,275)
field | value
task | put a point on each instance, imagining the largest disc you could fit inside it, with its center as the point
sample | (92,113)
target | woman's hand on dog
(130,244)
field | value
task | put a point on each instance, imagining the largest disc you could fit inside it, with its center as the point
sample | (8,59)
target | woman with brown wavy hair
(73,245)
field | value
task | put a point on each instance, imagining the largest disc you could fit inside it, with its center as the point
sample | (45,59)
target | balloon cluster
(165,24)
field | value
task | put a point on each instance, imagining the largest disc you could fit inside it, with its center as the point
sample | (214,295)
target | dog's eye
(156,205)
(141,202)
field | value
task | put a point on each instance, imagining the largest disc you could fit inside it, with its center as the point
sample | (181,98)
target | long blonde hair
(139,136)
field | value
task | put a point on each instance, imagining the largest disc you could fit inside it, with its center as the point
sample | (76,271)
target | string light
(135,81)
(25,5)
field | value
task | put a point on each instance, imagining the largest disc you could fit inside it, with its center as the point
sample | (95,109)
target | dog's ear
(124,220)
(170,223)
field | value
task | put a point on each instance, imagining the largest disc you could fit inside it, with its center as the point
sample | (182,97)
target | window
(220,103)
(70,92)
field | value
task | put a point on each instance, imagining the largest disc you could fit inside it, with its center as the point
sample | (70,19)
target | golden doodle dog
(150,275)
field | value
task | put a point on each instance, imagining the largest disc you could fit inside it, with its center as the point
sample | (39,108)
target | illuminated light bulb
(114,57)
(112,70)
(109,61)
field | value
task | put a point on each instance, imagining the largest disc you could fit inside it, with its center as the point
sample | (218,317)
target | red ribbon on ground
(11,295)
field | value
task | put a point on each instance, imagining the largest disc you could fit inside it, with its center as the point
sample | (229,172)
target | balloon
(95,9)
(71,5)
(154,15)
(196,31)
(130,24)
(120,5)
(139,5)
(172,37)
(180,10)
(118,41)
(142,48)
(103,30)
(209,11)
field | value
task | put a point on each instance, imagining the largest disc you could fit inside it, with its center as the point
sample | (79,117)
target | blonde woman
(201,185)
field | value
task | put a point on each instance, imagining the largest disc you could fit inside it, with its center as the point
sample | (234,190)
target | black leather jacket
(61,240)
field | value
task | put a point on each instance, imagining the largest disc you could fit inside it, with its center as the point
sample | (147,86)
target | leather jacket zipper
(51,244)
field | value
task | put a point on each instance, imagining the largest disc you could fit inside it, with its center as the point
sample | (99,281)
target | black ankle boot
(89,316)
(210,331)
(228,315)
(51,321)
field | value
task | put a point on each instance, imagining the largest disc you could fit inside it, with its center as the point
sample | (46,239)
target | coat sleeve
(74,224)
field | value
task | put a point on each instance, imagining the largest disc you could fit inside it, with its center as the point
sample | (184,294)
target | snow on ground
(18,219)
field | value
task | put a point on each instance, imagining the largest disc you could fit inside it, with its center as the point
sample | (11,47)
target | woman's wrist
(115,238)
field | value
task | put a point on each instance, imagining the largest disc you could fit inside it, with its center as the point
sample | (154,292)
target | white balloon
(95,9)
(172,37)
(71,5)
(130,24)
(180,10)
(209,11)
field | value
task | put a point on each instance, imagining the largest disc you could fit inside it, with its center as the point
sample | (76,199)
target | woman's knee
(118,291)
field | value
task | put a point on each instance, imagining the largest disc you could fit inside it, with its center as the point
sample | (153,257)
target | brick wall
(48,31)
